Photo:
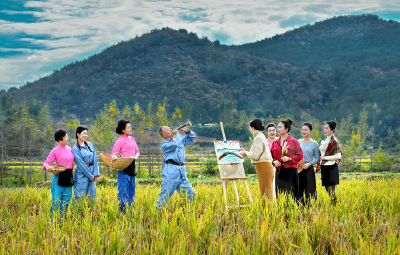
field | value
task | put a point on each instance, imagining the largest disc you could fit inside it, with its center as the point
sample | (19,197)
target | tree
(354,148)
(6,106)
(225,111)
(362,125)
(344,129)
(102,128)
(363,131)
(5,102)
(27,126)
(316,134)
(372,131)
(73,123)
(186,110)
(259,114)
(45,126)
(297,113)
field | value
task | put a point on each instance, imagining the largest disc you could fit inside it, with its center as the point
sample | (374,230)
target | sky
(37,37)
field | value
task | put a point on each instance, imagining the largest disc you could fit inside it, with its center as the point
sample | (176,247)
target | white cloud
(73,29)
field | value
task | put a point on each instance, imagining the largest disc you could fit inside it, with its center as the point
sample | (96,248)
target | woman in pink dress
(271,131)
(126,145)
(61,183)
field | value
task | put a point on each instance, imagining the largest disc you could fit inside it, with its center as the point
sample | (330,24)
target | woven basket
(119,164)
(59,169)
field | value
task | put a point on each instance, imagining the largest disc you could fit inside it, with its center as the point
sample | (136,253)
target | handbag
(131,169)
(66,178)
(301,164)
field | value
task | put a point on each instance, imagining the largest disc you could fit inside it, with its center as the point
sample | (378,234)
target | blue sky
(37,37)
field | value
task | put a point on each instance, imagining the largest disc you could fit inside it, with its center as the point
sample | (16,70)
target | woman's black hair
(271,125)
(257,125)
(308,124)
(59,135)
(332,125)
(287,124)
(79,130)
(121,126)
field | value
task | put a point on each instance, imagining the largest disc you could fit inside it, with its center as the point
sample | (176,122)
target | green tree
(45,126)
(316,134)
(28,127)
(4,105)
(376,125)
(363,131)
(381,159)
(102,128)
(362,125)
(297,113)
(186,110)
(353,148)
(225,111)
(344,129)
(259,114)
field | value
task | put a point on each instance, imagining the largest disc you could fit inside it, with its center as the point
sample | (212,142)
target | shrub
(210,166)
(382,161)
(191,174)
(143,174)
(249,168)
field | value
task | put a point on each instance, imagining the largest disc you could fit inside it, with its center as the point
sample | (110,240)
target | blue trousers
(172,183)
(60,196)
(126,190)
(83,186)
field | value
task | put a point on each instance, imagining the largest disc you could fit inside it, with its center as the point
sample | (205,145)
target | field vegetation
(366,220)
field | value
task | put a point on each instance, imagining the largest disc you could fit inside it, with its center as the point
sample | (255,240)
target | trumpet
(188,123)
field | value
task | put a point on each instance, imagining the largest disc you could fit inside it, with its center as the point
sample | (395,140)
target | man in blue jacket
(174,172)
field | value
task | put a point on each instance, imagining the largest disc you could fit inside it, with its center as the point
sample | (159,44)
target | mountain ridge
(275,75)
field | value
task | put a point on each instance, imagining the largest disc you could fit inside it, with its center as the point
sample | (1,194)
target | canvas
(230,166)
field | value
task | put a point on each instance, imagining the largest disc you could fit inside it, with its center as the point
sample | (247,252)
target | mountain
(356,41)
(329,69)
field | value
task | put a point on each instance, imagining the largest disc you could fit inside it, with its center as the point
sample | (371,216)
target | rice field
(366,220)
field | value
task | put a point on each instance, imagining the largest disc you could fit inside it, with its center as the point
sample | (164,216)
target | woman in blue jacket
(87,170)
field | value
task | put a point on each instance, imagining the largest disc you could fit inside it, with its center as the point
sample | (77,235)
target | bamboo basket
(59,169)
(119,164)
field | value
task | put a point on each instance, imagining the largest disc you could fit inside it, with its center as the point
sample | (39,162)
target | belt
(176,164)
(91,164)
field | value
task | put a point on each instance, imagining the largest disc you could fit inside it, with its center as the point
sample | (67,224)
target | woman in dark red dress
(286,154)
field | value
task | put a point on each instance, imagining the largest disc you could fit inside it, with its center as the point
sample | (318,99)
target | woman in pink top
(126,145)
(61,184)
(271,131)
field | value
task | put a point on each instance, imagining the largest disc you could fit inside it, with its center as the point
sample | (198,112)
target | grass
(366,220)
(11,176)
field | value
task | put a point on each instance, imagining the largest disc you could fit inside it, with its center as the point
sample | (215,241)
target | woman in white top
(271,131)
(331,153)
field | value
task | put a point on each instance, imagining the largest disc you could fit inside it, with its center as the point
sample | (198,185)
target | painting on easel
(230,162)
(228,152)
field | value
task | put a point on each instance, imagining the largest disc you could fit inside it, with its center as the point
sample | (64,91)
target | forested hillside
(195,74)
(328,70)
(355,41)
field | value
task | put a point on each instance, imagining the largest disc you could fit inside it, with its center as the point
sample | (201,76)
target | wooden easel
(225,182)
